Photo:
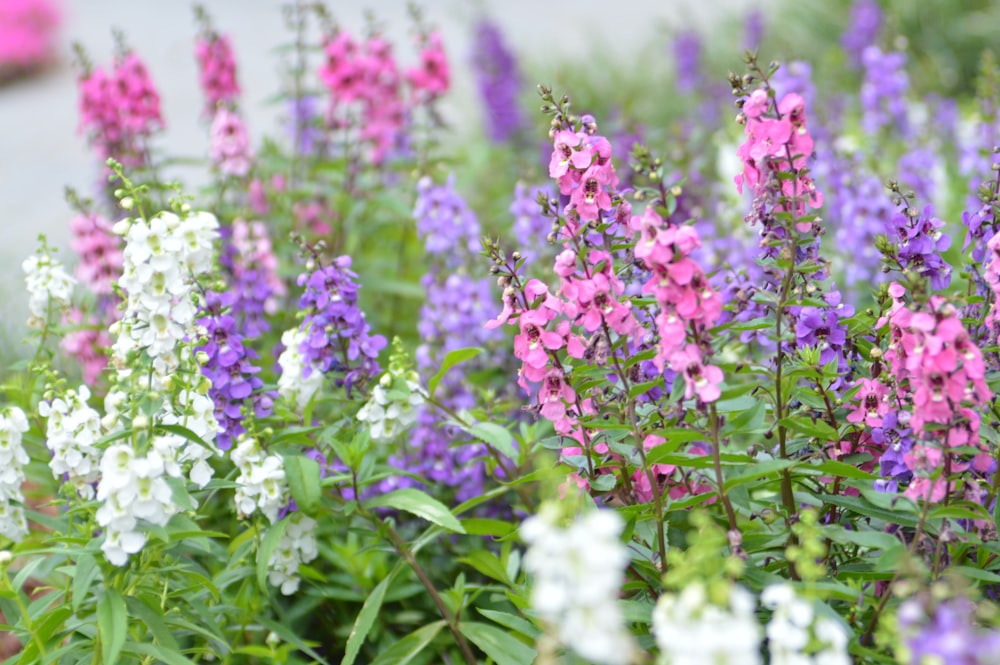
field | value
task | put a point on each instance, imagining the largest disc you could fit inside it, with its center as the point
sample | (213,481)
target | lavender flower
(531,227)
(444,221)
(883,91)
(337,334)
(920,243)
(947,634)
(499,82)
(228,364)
(896,441)
(687,61)
(862,31)
(302,124)
(753,29)
(916,171)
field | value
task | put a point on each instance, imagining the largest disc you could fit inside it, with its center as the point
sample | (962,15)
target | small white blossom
(261,483)
(47,284)
(13,458)
(72,430)
(794,624)
(132,488)
(297,546)
(292,385)
(690,630)
(578,573)
(392,407)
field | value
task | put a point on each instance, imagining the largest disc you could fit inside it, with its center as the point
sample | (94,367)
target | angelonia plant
(370,394)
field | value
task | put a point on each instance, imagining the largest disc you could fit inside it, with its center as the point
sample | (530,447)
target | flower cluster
(940,369)
(48,285)
(499,82)
(581,164)
(294,384)
(367,77)
(685,298)
(578,571)
(337,334)
(531,227)
(297,546)
(433,77)
(883,90)
(261,485)
(120,110)
(863,28)
(132,488)
(394,400)
(945,634)
(27,29)
(796,635)
(72,432)
(161,256)
(230,145)
(252,268)
(779,144)
(229,365)
(216,71)
(444,221)
(691,629)
(99,251)
(919,243)
(13,459)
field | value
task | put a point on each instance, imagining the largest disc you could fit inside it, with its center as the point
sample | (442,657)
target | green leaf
(366,618)
(810,427)
(112,625)
(757,470)
(406,649)
(288,635)
(153,621)
(416,502)
(872,539)
(305,482)
(159,653)
(502,647)
(511,621)
(497,437)
(83,577)
(488,564)
(835,468)
(456,357)
(266,551)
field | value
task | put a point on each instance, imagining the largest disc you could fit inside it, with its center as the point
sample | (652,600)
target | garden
(686,364)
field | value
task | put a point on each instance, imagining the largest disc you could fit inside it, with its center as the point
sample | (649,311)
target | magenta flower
(873,403)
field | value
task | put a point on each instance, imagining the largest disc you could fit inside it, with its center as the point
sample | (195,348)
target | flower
(230,145)
(216,70)
(578,573)
(48,285)
(13,459)
(690,629)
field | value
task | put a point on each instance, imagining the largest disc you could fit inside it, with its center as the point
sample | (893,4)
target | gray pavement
(42,152)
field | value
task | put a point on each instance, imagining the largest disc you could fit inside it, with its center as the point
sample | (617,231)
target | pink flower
(873,403)
(433,76)
(700,379)
(216,71)
(567,152)
(230,144)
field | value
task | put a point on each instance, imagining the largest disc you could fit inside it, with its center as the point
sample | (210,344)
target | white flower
(793,623)
(47,283)
(13,458)
(72,430)
(292,385)
(578,574)
(132,488)
(297,546)
(261,483)
(690,630)
(392,407)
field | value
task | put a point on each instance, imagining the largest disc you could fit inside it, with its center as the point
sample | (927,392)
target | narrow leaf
(266,551)
(499,645)
(456,357)
(406,649)
(416,502)
(112,625)
(366,618)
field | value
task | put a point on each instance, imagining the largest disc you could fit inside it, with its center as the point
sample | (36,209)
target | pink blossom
(700,379)
(216,71)
(433,76)
(873,403)
(230,144)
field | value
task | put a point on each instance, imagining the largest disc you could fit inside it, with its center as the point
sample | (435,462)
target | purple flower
(687,61)
(920,243)
(946,634)
(230,368)
(499,82)
(863,29)
(337,334)
(444,222)
(531,228)
(896,441)
(883,91)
